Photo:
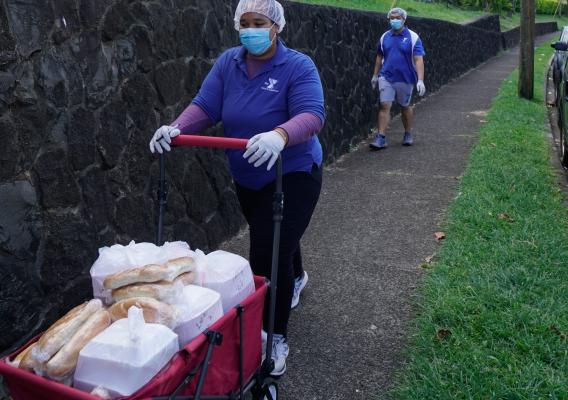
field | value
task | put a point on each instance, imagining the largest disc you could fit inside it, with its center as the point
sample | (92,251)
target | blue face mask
(396,24)
(256,40)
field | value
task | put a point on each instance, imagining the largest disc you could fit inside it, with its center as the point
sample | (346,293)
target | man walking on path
(398,67)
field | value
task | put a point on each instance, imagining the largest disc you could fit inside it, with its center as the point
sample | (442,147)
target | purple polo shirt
(287,85)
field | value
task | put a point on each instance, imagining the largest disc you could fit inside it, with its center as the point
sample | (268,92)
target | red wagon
(222,363)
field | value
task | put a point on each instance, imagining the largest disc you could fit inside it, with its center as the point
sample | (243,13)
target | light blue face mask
(396,24)
(256,40)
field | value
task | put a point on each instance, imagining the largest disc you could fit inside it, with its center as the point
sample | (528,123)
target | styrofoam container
(116,362)
(230,275)
(200,309)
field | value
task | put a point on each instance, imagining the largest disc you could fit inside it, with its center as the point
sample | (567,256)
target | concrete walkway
(373,227)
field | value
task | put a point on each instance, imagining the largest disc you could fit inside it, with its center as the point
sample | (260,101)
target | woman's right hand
(162,138)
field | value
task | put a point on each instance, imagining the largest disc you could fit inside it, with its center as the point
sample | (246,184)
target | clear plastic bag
(118,258)
(226,273)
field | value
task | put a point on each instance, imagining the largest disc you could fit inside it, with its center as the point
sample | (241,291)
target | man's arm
(379,64)
(419,62)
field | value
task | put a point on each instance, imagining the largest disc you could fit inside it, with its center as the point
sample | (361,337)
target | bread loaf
(187,278)
(150,273)
(163,291)
(154,311)
(24,360)
(62,365)
(63,329)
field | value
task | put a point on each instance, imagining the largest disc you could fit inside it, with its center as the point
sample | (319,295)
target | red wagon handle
(209,141)
(277,208)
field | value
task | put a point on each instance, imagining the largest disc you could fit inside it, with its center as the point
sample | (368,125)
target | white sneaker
(280,351)
(299,285)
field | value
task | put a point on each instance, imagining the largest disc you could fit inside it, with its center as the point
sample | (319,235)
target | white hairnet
(269,8)
(399,11)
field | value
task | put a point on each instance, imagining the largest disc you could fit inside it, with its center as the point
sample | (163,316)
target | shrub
(546,6)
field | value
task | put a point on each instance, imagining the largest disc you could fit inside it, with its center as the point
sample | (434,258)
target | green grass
(493,316)
(430,10)
(414,8)
(513,21)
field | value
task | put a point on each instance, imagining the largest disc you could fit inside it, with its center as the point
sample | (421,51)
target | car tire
(562,145)
(555,76)
(563,148)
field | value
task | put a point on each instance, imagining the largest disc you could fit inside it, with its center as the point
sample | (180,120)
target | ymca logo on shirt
(270,85)
(405,43)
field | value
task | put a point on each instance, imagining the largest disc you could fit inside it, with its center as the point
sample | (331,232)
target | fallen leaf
(493,144)
(505,217)
(480,113)
(440,235)
(443,334)
(427,262)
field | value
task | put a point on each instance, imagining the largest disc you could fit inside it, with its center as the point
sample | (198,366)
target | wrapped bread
(165,291)
(24,360)
(187,278)
(162,291)
(61,331)
(150,273)
(63,364)
(154,311)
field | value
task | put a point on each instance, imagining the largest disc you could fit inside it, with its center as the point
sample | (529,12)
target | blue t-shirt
(287,85)
(398,56)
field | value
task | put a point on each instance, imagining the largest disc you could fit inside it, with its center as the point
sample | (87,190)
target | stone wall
(512,37)
(84,84)
(488,22)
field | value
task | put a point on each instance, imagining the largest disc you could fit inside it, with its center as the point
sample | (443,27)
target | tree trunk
(526,50)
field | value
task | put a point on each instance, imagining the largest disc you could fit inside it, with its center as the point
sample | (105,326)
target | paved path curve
(373,227)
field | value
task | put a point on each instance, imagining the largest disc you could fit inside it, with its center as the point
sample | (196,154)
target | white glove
(264,146)
(420,88)
(162,138)
(374,81)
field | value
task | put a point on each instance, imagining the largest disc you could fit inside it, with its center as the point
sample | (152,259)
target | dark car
(560,57)
(561,84)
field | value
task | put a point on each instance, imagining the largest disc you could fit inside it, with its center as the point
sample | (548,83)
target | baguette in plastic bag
(154,311)
(62,365)
(150,273)
(61,331)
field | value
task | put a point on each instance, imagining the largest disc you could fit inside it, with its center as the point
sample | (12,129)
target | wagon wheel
(271,391)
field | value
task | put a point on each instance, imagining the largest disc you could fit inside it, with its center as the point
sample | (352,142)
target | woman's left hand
(263,147)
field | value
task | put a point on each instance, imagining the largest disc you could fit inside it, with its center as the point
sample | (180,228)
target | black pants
(301,194)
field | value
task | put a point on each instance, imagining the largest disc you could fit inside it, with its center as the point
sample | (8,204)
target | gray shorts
(389,90)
